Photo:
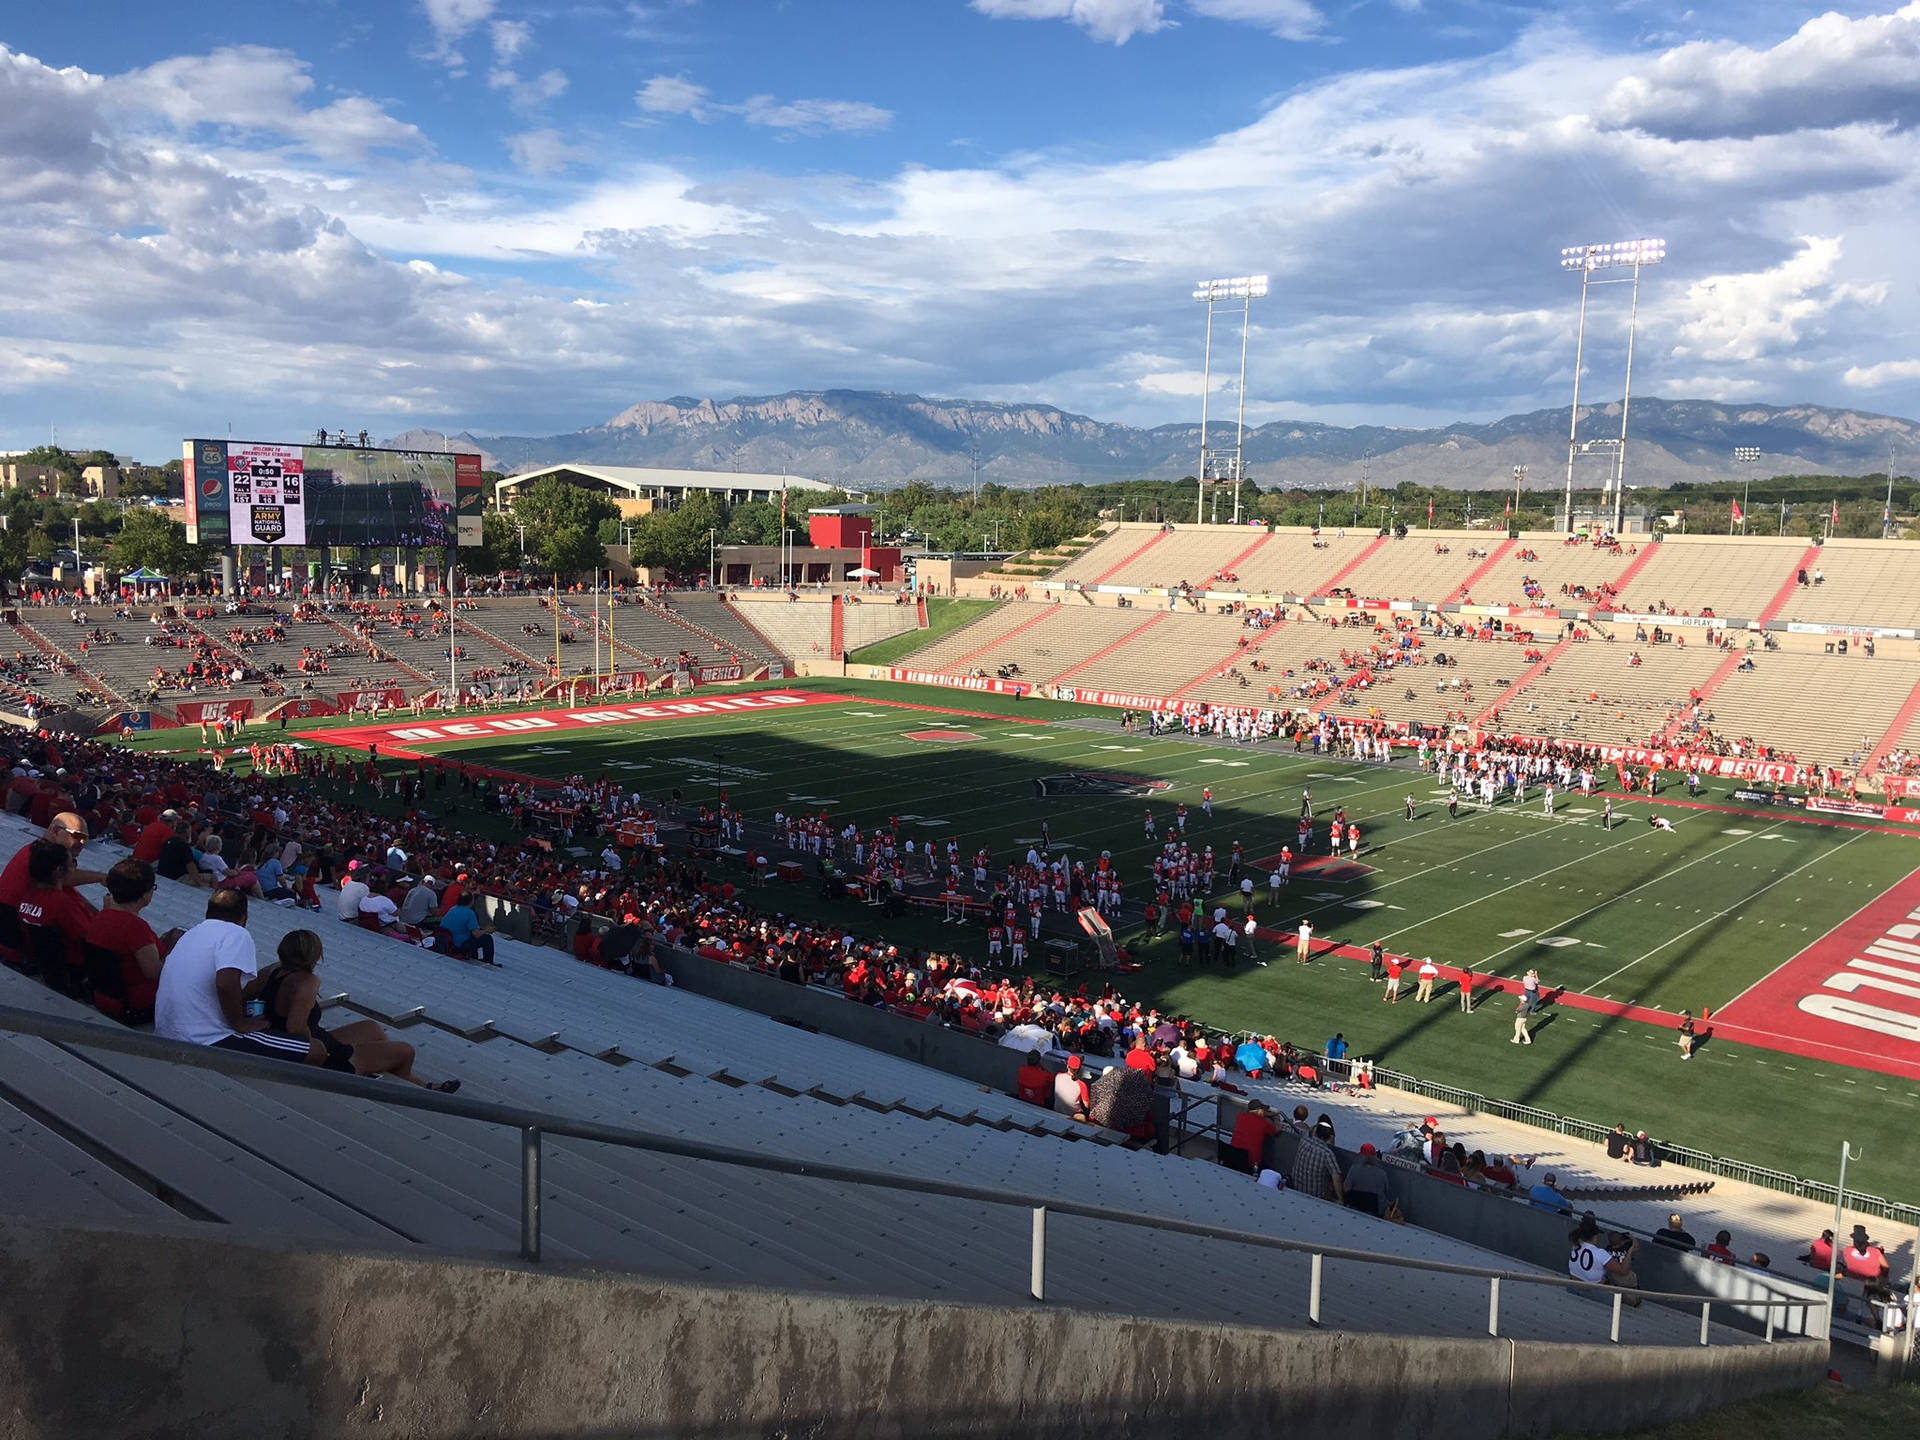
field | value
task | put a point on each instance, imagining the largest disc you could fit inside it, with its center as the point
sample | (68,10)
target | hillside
(870,440)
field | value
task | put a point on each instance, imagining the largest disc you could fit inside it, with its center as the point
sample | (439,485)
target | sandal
(445,1087)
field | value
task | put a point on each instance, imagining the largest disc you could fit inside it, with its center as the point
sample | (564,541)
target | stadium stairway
(295,1163)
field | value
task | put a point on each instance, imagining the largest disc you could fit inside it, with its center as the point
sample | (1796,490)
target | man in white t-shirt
(206,982)
(352,891)
(1586,1255)
(376,904)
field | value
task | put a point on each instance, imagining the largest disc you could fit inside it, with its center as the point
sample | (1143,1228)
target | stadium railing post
(1706,1309)
(1618,1298)
(1493,1307)
(1313,1290)
(1037,1282)
(530,1193)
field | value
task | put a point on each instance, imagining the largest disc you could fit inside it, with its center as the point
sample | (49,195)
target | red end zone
(399,738)
(1852,997)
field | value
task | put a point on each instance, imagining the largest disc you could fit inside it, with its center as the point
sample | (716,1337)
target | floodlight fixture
(1746,453)
(1620,253)
(1240,287)
(1632,255)
(1242,291)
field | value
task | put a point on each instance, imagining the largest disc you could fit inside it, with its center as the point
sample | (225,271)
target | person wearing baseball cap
(1367,1182)
(1071,1094)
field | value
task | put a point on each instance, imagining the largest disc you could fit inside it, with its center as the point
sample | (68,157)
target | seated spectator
(69,832)
(1619,1144)
(208,856)
(1033,1082)
(1820,1253)
(422,900)
(1721,1250)
(378,912)
(120,931)
(290,991)
(1643,1150)
(1367,1182)
(176,860)
(353,890)
(1619,1271)
(154,835)
(51,906)
(1675,1235)
(465,936)
(1246,1151)
(1586,1256)
(1316,1169)
(1546,1196)
(1071,1094)
(270,876)
(1861,1260)
(619,942)
(206,982)
(1499,1173)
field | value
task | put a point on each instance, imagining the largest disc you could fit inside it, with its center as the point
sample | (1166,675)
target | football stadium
(743,830)
(1262,905)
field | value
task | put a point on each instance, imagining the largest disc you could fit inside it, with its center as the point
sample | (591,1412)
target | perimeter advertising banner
(248,492)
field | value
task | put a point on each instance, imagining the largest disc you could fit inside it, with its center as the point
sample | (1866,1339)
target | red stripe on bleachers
(1534,672)
(1156,538)
(1221,667)
(1105,651)
(1897,729)
(1465,592)
(1020,629)
(1647,551)
(1779,601)
(1712,683)
(1347,569)
(1233,565)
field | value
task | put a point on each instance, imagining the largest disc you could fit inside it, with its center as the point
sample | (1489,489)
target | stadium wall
(150,1333)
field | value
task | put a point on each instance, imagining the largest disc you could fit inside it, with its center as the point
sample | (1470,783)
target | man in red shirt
(49,905)
(1140,1057)
(1034,1082)
(120,930)
(154,835)
(1245,1151)
(68,831)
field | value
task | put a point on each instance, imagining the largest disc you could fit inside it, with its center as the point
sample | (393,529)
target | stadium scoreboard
(249,492)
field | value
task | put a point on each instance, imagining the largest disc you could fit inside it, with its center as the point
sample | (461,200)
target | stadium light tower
(1632,255)
(1242,290)
(1746,456)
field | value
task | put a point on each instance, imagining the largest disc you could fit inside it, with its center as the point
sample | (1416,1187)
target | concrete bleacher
(1410,568)
(1824,709)
(1295,562)
(291,1163)
(951,651)
(1558,564)
(1615,701)
(1866,583)
(1736,578)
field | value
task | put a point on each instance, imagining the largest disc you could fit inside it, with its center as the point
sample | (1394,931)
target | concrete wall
(105,1333)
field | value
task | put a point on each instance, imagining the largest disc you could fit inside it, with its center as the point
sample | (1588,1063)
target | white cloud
(510,37)
(1887,372)
(1289,19)
(451,21)
(251,91)
(673,95)
(1742,318)
(542,152)
(527,97)
(1117,21)
(811,117)
(1835,70)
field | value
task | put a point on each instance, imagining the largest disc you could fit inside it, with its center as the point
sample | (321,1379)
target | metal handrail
(535,1124)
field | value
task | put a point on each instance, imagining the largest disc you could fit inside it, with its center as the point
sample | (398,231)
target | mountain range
(870,440)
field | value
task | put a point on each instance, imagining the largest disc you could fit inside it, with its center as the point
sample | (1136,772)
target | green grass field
(1670,921)
(943,618)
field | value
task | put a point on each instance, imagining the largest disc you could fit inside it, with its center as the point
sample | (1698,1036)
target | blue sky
(520,218)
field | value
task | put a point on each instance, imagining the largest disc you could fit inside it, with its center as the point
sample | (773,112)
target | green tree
(755,522)
(676,540)
(148,537)
(562,523)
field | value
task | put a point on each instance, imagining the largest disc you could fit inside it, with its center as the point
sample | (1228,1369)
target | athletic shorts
(271,1047)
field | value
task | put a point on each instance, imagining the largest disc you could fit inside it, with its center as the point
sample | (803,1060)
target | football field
(1627,926)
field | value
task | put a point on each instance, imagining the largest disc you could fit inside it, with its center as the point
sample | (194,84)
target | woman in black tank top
(291,991)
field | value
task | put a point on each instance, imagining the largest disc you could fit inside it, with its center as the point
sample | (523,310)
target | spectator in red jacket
(69,832)
(50,903)
(1247,1149)
(1034,1082)
(120,930)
